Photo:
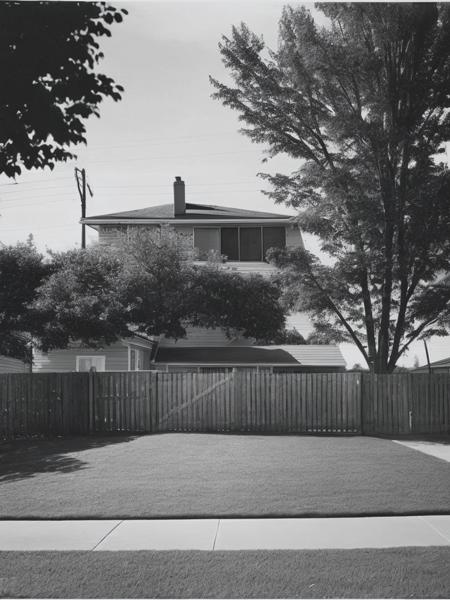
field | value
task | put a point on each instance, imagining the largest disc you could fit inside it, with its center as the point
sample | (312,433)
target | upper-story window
(239,243)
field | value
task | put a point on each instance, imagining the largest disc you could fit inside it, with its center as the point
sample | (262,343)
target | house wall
(59,361)
(12,365)
(199,336)
(110,234)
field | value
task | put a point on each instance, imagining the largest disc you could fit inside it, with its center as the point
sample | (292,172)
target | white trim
(205,222)
(138,342)
(102,357)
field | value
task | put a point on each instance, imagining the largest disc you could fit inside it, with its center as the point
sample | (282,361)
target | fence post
(235,391)
(91,401)
(361,401)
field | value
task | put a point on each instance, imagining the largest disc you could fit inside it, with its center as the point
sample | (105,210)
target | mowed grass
(201,475)
(390,573)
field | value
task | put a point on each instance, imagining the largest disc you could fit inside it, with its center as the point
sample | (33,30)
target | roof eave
(216,221)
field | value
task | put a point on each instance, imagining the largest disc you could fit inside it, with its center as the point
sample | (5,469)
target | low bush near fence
(238,401)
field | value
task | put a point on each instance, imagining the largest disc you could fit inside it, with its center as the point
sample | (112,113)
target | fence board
(241,400)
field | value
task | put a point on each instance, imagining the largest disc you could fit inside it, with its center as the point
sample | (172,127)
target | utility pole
(80,178)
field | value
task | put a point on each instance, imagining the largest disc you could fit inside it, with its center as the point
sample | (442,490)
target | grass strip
(371,573)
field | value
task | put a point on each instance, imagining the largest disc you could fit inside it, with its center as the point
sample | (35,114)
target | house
(13,365)
(240,235)
(439,366)
(275,359)
(131,354)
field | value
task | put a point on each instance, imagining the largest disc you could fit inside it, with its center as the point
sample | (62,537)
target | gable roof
(193,212)
(304,355)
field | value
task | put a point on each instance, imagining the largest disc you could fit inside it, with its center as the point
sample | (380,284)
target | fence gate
(248,401)
(195,402)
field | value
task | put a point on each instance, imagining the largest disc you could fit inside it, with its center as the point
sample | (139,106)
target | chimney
(179,200)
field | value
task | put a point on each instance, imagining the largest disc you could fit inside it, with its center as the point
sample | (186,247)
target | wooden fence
(237,401)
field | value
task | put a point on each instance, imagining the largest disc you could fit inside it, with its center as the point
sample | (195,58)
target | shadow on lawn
(20,459)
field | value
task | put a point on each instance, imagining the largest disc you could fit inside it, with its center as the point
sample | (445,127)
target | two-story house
(243,237)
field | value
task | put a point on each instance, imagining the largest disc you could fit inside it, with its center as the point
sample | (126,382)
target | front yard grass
(201,475)
(387,573)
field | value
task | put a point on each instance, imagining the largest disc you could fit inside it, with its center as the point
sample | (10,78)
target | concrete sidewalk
(436,449)
(226,534)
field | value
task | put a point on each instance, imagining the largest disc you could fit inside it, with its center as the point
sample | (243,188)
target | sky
(166,125)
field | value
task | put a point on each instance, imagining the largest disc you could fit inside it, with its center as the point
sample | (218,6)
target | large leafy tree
(81,300)
(247,305)
(22,272)
(49,52)
(362,104)
(147,284)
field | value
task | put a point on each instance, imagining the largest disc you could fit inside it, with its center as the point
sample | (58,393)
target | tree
(363,106)
(22,271)
(81,300)
(249,306)
(48,55)
(154,278)
(147,284)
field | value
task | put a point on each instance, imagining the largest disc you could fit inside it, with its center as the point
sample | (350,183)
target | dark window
(230,243)
(250,243)
(239,243)
(273,237)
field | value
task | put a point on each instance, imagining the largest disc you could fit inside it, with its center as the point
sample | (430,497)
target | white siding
(12,365)
(59,361)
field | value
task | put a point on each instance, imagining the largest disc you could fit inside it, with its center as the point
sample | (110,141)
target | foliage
(147,284)
(49,52)
(154,278)
(248,306)
(81,300)
(363,106)
(22,270)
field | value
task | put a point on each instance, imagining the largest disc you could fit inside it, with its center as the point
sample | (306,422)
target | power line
(170,157)
(37,229)
(17,183)
(168,140)
(21,205)
(28,191)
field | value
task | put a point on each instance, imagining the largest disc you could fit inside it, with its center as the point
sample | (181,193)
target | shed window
(91,363)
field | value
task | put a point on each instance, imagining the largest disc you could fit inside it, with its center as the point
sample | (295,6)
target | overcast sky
(166,125)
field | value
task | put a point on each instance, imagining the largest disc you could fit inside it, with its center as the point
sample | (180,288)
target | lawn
(201,475)
(391,573)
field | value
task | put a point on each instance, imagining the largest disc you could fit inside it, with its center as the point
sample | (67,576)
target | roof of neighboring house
(193,212)
(305,355)
(443,364)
